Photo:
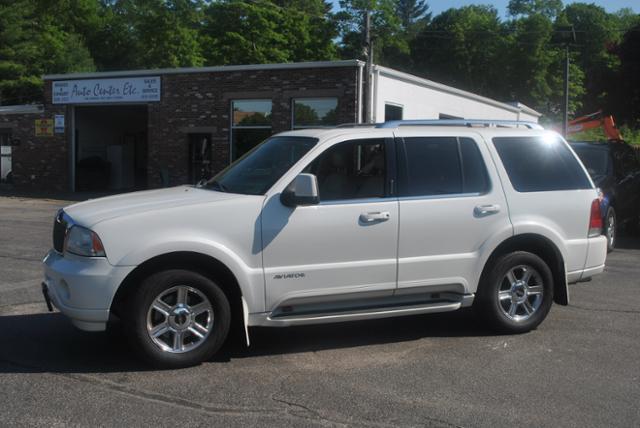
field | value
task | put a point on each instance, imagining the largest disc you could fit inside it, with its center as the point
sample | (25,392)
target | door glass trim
(446,196)
(355,201)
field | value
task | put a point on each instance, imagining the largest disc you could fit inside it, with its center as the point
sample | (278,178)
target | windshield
(259,169)
(594,159)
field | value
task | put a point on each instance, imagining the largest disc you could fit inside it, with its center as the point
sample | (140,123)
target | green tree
(387,34)
(527,71)
(261,31)
(595,36)
(548,8)
(148,34)
(625,19)
(625,102)
(463,47)
(35,40)
(412,13)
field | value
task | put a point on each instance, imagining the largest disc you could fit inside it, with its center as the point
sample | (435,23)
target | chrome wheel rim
(180,319)
(611,229)
(520,293)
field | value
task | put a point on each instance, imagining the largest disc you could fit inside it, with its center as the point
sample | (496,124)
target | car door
(343,249)
(451,206)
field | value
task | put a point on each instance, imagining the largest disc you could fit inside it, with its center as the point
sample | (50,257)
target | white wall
(420,101)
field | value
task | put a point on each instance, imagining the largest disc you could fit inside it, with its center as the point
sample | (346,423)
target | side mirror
(302,191)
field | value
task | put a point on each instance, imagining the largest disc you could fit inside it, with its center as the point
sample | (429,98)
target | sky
(438,6)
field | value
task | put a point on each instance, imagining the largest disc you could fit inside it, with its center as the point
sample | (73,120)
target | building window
(314,112)
(250,125)
(443,116)
(5,155)
(392,112)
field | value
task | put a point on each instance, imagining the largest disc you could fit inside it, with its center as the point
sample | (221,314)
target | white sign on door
(130,89)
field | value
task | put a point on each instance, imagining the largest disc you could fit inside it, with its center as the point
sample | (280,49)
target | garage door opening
(111,148)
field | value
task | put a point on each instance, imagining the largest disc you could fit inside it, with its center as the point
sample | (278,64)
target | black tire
(610,222)
(494,310)
(138,310)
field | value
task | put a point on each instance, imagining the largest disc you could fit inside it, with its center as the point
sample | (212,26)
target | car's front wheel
(177,318)
(516,293)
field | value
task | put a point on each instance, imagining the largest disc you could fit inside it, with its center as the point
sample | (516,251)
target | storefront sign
(44,127)
(133,89)
(59,123)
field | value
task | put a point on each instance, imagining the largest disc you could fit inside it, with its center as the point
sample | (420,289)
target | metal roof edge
(213,69)
(22,108)
(444,88)
(526,109)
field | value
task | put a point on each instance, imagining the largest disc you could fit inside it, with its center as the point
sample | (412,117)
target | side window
(442,166)
(539,164)
(351,170)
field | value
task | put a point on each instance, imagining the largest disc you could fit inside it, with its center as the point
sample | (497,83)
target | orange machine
(595,120)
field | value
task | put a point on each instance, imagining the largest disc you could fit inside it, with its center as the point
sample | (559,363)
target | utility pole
(565,107)
(567,36)
(368,47)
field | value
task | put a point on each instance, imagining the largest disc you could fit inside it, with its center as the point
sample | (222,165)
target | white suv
(332,225)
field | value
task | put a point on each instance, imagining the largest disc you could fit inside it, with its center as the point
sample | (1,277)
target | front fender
(250,279)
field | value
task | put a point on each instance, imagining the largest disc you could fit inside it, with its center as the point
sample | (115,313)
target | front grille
(59,231)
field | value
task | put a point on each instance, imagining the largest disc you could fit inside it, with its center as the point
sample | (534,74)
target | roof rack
(460,122)
(356,125)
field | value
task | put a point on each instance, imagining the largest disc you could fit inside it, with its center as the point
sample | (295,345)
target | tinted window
(537,164)
(624,159)
(596,160)
(392,112)
(442,166)
(351,170)
(474,175)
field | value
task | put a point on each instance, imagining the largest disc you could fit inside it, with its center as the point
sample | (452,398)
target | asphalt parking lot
(580,368)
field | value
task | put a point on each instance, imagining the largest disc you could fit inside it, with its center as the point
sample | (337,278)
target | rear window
(540,164)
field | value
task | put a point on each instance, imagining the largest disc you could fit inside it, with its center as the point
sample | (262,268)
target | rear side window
(442,166)
(540,164)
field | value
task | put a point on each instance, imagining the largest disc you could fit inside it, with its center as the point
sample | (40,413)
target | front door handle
(375,216)
(485,210)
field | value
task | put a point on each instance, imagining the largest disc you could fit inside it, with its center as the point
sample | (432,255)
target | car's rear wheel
(516,292)
(177,318)
(610,228)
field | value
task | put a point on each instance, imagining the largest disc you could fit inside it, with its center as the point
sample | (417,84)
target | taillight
(595,221)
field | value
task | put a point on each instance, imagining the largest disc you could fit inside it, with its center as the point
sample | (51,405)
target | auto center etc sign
(132,89)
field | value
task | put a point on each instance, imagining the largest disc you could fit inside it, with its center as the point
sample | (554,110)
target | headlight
(83,242)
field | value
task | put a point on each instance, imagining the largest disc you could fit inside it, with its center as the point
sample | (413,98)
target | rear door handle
(375,216)
(485,210)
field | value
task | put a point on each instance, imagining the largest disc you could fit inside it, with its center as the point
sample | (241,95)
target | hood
(94,211)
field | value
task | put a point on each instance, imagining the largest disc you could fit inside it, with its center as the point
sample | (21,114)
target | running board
(267,320)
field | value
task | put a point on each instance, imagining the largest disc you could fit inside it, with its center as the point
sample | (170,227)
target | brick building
(151,128)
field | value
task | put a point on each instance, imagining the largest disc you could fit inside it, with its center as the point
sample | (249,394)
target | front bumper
(82,288)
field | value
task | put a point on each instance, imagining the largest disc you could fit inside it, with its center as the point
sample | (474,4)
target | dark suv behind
(615,168)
